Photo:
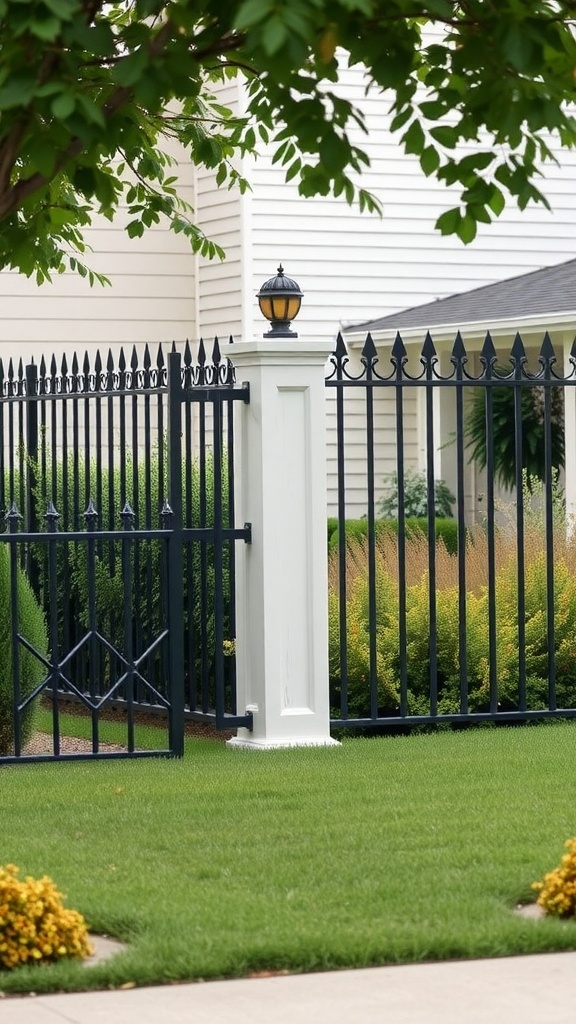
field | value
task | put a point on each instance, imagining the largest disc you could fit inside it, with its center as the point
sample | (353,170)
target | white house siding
(356,447)
(353,267)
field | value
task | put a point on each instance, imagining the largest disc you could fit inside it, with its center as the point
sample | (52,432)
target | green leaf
(293,170)
(414,139)
(251,13)
(42,155)
(91,110)
(130,68)
(47,29)
(442,8)
(17,92)
(433,109)
(467,228)
(496,201)
(449,221)
(445,135)
(429,160)
(135,229)
(274,36)
(59,217)
(518,47)
(63,9)
(97,38)
(63,105)
(400,119)
(479,213)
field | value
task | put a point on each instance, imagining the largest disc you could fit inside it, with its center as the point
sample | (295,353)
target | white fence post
(281,581)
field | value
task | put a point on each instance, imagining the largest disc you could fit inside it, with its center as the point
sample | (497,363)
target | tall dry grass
(476,559)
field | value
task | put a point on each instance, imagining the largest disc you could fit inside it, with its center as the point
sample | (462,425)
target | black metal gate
(117,561)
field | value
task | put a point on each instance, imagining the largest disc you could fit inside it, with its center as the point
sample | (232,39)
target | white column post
(281,579)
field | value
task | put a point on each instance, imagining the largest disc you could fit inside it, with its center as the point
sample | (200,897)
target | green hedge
(446,529)
(144,490)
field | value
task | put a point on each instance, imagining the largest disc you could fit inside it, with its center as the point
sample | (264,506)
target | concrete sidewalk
(531,990)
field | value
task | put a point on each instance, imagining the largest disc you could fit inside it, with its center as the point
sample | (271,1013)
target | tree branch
(9,153)
(13,197)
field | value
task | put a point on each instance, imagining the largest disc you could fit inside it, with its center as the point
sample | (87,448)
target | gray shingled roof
(550,290)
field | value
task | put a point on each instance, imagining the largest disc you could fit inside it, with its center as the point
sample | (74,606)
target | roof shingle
(539,293)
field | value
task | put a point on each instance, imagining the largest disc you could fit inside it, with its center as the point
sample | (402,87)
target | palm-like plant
(504,427)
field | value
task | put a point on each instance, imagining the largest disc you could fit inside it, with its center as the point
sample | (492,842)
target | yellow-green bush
(358,643)
(536,631)
(557,890)
(34,924)
(447,631)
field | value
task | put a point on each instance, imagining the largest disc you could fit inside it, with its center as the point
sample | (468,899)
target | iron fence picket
(458,359)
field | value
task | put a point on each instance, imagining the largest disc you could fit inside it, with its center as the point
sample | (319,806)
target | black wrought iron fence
(420,634)
(117,482)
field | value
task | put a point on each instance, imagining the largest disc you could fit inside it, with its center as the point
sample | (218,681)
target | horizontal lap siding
(151,298)
(353,267)
(355,438)
(220,215)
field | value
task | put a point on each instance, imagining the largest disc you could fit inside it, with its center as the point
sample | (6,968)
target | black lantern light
(280,299)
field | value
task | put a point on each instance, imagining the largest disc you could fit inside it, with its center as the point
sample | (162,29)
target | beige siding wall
(151,299)
(221,216)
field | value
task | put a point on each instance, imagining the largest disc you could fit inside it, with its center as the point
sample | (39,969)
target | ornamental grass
(34,924)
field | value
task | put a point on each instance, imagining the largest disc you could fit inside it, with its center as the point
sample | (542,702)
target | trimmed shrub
(358,637)
(32,627)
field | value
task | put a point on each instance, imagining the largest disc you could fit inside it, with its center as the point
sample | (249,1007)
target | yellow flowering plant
(557,890)
(34,924)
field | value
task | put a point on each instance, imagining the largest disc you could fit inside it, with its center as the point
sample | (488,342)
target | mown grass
(382,851)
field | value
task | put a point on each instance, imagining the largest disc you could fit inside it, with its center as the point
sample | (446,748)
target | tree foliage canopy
(89,89)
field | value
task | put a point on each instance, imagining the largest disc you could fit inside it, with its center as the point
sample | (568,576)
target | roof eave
(472,330)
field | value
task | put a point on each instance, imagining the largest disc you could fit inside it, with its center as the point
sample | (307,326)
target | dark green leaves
(477,93)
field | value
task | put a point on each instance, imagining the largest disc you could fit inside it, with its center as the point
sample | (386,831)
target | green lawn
(227,862)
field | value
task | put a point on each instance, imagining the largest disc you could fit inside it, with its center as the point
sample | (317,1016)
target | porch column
(281,580)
